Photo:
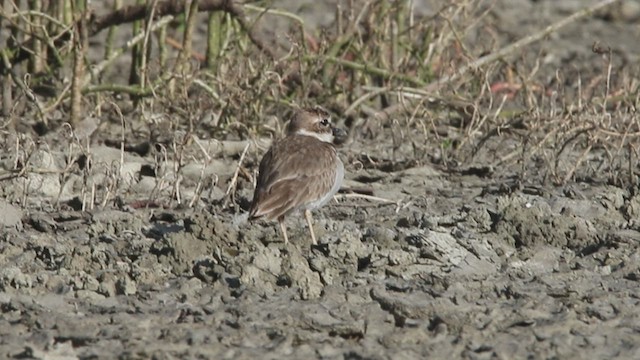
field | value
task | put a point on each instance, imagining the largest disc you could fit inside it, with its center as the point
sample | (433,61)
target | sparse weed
(436,80)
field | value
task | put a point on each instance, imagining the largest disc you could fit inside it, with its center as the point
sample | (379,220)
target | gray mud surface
(460,264)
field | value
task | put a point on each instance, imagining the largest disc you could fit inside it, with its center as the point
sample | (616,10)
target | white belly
(334,189)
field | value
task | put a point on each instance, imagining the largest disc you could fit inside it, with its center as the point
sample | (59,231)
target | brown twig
(511,48)
(80,44)
(174,7)
(131,13)
(183,64)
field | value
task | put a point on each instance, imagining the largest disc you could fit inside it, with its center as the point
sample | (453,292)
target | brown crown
(310,119)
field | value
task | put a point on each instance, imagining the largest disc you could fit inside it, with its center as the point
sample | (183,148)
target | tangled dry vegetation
(169,78)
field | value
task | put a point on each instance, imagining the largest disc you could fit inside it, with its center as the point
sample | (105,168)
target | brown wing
(295,171)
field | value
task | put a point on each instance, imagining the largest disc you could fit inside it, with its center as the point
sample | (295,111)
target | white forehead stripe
(326,137)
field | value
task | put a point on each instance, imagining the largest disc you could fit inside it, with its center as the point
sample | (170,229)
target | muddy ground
(458,264)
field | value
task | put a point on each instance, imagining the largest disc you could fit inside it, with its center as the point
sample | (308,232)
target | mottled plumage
(301,171)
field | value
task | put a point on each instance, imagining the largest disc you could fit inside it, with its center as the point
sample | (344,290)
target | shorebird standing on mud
(301,171)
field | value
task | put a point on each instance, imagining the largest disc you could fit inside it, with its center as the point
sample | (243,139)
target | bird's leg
(283,227)
(307,215)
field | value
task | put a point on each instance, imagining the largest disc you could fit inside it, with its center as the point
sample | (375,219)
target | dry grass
(392,74)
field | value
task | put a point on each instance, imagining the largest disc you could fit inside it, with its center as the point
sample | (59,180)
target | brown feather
(295,172)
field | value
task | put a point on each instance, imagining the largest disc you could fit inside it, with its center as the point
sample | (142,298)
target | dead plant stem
(519,44)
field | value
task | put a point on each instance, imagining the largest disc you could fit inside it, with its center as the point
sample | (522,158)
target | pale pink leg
(283,227)
(307,215)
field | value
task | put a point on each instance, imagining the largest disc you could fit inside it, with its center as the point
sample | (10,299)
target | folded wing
(295,172)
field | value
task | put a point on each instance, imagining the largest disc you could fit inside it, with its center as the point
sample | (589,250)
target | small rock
(89,295)
(126,286)
(10,216)
(380,235)
(14,277)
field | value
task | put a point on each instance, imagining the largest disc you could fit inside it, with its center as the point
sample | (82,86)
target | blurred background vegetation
(232,70)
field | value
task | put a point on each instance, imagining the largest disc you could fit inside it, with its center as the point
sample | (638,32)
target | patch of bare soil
(493,259)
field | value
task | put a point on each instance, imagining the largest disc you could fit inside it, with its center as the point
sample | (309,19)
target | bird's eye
(324,122)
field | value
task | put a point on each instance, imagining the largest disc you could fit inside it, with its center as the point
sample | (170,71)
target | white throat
(326,137)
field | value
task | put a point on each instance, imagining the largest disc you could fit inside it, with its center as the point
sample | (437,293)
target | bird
(300,172)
